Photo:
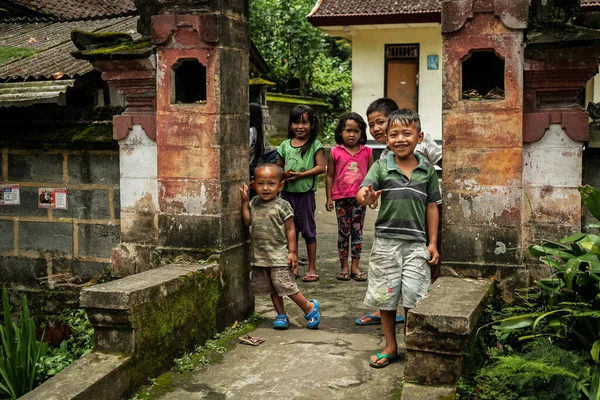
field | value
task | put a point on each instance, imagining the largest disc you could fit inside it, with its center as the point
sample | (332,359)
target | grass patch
(9,53)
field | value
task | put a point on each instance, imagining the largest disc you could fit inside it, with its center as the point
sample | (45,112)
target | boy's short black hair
(405,116)
(270,165)
(342,124)
(383,105)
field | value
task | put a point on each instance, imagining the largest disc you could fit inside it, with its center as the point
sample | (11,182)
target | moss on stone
(10,53)
(127,47)
(192,311)
(288,98)
(211,352)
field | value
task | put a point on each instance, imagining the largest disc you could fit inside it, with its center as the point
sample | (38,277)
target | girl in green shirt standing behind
(302,159)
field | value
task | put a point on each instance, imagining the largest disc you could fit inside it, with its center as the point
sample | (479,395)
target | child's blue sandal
(313,317)
(281,322)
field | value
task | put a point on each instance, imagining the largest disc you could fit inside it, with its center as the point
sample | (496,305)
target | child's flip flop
(375,320)
(387,357)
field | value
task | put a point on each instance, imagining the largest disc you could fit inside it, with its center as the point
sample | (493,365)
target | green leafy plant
(568,312)
(20,352)
(79,343)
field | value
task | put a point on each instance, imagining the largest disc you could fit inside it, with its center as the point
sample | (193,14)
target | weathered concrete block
(230,127)
(189,130)
(85,204)
(155,314)
(141,194)
(138,155)
(22,270)
(452,306)
(35,168)
(95,376)
(481,244)
(190,197)
(554,166)
(117,204)
(139,226)
(486,205)
(237,301)
(129,259)
(552,205)
(97,240)
(411,391)
(233,232)
(29,204)
(7,239)
(432,368)
(96,168)
(46,237)
(233,64)
(193,232)
(230,195)
(188,163)
(470,168)
(234,163)
(85,270)
(474,130)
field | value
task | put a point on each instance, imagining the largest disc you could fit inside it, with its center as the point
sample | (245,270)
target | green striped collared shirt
(403,201)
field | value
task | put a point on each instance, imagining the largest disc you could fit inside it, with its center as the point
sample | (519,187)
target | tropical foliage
(19,353)
(298,52)
(548,346)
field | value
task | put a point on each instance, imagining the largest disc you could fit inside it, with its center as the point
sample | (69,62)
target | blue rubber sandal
(387,357)
(375,320)
(281,322)
(313,317)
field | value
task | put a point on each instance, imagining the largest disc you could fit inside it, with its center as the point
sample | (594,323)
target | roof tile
(346,8)
(78,9)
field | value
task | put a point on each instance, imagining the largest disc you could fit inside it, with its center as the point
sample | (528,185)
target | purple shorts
(304,206)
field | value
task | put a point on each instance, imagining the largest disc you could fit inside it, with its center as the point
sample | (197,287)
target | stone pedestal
(482,163)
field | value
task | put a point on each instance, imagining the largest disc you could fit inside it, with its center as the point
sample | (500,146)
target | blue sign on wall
(432,62)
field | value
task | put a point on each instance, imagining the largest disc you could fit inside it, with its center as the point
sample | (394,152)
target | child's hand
(329,205)
(435,255)
(293,261)
(372,196)
(291,175)
(374,205)
(244,193)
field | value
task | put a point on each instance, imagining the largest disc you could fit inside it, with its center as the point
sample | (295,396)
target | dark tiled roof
(330,8)
(336,11)
(78,9)
(53,46)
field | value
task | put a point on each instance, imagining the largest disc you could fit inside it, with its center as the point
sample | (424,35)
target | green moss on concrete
(127,47)
(211,352)
(260,81)
(10,53)
(169,323)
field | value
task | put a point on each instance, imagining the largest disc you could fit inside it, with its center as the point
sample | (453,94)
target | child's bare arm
(329,183)
(245,205)
(433,219)
(290,231)
(280,161)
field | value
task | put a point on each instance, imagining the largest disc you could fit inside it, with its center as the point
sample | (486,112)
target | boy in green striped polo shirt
(408,219)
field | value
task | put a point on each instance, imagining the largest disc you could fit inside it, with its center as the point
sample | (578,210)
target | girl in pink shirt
(347,166)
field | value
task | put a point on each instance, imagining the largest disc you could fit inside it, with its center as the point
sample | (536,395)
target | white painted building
(397,53)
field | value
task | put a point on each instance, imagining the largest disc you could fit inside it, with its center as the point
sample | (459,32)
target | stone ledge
(95,376)
(410,391)
(440,327)
(122,294)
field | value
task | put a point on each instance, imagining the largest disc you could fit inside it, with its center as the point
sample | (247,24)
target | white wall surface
(368,68)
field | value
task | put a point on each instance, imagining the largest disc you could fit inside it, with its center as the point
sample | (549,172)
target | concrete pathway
(329,363)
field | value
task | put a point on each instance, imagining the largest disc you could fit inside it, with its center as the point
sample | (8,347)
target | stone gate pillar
(201,135)
(483,134)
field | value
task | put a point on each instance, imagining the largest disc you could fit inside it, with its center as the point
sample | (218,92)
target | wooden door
(402,83)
